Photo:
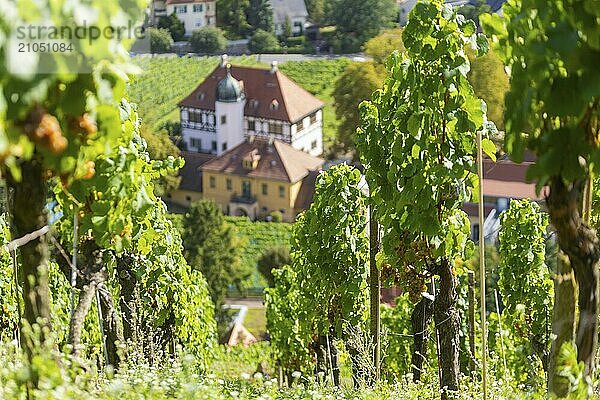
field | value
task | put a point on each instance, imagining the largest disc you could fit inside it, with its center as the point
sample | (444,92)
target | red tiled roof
(505,178)
(190,173)
(262,86)
(278,161)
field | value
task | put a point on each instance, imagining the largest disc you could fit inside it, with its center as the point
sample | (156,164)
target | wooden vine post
(471,321)
(375,286)
(482,269)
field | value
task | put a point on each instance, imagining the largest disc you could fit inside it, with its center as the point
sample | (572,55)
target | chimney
(224,60)
(273,66)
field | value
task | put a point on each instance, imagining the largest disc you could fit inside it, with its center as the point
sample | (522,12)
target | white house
(295,10)
(194,14)
(235,102)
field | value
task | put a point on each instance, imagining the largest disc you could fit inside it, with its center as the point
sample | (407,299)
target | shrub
(160,40)
(273,258)
(263,42)
(208,40)
(173,25)
(276,216)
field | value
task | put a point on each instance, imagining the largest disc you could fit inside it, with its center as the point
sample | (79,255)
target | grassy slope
(167,80)
(256,322)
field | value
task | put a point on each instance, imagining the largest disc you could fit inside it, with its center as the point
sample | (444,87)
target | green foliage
(330,250)
(287,29)
(174,25)
(552,106)
(260,16)
(381,46)
(290,336)
(359,20)
(161,147)
(63,119)
(397,328)
(418,141)
(254,239)
(355,85)
(490,83)
(528,305)
(8,294)
(273,258)
(208,40)
(263,42)
(231,16)
(211,246)
(317,11)
(160,40)
(473,11)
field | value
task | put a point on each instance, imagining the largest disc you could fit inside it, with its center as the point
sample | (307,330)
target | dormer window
(201,96)
(254,103)
(250,161)
(274,105)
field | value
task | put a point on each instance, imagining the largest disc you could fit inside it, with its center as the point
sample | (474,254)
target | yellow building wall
(184,197)
(271,201)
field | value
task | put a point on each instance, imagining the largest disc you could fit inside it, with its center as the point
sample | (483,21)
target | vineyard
(105,295)
(182,74)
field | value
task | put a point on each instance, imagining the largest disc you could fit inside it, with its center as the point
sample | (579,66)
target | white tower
(229,113)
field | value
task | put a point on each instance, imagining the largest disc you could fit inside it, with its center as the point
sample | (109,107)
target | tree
(417,140)
(231,16)
(160,40)
(381,46)
(287,29)
(260,15)
(552,110)
(316,11)
(174,25)
(211,247)
(359,20)
(208,40)
(357,83)
(263,42)
(272,259)
(490,83)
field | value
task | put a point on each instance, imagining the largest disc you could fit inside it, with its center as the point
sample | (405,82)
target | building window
(265,189)
(208,19)
(300,126)
(213,145)
(223,119)
(197,143)
(274,105)
(313,145)
(195,116)
(282,191)
(229,185)
(276,128)
(180,9)
(251,125)
(246,189)
(282,211)
(212,182)
(313,119)
(199,23)
(198,8)
(224,146)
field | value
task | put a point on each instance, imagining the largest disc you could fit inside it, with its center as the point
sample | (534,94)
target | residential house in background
(253,179)
(236,102)
(157,9)
(194,14)
(294,10)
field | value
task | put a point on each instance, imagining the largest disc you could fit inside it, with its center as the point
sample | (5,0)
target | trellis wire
(74,261)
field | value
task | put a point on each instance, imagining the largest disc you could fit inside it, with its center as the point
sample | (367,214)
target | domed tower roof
(229,89)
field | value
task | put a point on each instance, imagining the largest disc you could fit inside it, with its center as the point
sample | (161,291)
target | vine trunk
(582,246)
